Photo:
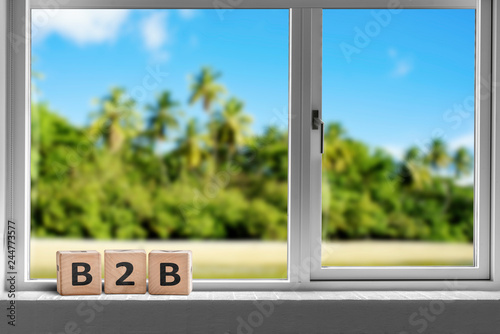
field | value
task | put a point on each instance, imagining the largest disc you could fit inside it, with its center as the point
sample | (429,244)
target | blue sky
(410,80)
(404,83)
(249,48)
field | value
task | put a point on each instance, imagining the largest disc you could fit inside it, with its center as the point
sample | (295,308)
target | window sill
(278,296)
(271,312)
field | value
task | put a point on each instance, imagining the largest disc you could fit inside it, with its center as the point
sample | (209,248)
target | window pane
(161,129)
(398,103)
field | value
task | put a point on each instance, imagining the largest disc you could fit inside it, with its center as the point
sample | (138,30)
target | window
(398,168)
(155,131)
(413,153)
(297,73)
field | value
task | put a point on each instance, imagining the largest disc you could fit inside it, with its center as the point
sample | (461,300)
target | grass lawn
(262,259)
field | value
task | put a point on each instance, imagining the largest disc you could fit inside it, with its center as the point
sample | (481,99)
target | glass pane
(398,103)
(161,129)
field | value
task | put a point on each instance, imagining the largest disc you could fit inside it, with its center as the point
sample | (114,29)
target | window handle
(317,123)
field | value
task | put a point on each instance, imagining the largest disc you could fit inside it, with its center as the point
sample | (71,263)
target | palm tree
(234,125)
(437,156)
(412,155)
(413,172)
(117,119)
(463,162)
(190,145)
(161,118)
(206,89)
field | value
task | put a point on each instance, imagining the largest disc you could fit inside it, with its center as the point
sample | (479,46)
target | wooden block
(78,273)
(125,271)
(170,272)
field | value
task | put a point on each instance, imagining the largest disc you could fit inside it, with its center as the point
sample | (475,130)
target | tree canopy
(219,180)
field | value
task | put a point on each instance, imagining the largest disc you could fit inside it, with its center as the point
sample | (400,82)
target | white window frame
(482,174)
(304,272)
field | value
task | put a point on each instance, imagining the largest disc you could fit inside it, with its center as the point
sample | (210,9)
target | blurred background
(168,129)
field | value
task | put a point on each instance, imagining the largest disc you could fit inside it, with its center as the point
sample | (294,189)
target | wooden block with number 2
(125,271)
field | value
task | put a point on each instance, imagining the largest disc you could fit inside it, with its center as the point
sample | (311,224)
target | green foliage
(375,196)
(218,181)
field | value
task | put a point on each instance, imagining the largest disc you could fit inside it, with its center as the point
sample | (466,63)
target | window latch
(317,123)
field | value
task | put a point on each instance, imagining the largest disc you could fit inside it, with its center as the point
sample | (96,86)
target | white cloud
(466,180)
(466,141)
(402,68)
(78,25)
(154,30)
(396,151)
(187,14)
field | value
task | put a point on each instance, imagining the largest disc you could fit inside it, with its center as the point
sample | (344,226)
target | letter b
(173,273)
(78,273)
(75,273)
(170,272)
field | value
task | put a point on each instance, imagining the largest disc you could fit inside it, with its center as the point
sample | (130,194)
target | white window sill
(277,296)
(399,312)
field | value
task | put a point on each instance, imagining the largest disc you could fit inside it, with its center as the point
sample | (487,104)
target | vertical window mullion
(18,169)
(294,178)
(495,230)
(315,137)
(482,168)
(3,121)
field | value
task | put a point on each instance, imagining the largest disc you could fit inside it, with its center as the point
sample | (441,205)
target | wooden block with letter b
(170,272)
(125,271)
(78,273)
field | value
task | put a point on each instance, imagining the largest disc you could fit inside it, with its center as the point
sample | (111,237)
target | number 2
(128,270)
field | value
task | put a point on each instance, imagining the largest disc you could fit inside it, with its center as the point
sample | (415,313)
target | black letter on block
(164,274)
(129,267)
(75,273)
